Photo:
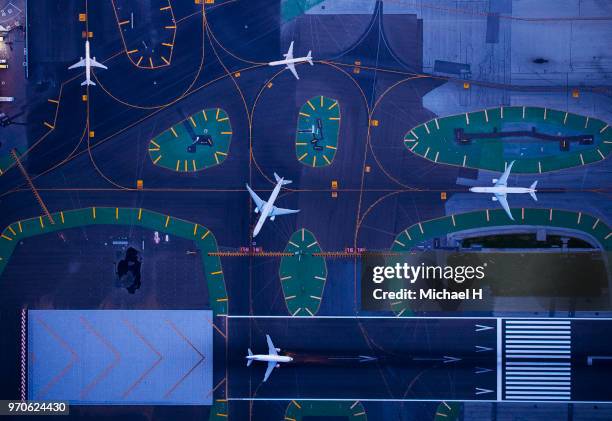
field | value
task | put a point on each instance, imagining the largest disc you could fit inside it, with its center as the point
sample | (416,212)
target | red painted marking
(109,367)
(151,368)
(178,332)
(62,373)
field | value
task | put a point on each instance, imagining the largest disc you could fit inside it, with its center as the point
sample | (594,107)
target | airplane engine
(256,210)
(494,199)
(495,180)
(272,217)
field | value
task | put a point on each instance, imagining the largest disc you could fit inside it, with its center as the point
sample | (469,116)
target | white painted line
(537,363)
(536,351)
(552,332)
(552,374)
(545,346)
(548,322)
(539,356)
(527,341)
(249,316)
(499,359)
(529,398)
(538,387)
(537,337)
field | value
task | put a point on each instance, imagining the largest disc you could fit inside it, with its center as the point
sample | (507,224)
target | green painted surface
(202,237)
(440,227)
(318,122)
(448,411)
(303,275)
(290,9)
(219,410)
(169,149)
(435,140)
(296,410)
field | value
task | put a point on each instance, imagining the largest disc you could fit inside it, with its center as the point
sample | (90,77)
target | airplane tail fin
(309,58)
(284,182)
(250,355)
(88,82)
(533,190)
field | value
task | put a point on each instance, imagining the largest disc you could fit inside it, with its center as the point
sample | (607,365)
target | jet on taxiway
(267,209)
(87,62)
(500,190)
(290,62)
(272,358)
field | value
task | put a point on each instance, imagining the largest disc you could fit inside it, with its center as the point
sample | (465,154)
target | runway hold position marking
(318,128)
(200,141)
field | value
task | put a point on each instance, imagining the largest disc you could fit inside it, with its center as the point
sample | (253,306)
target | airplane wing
(281,211)
(291,67)
(271,365)
(258,201)
(81,63)
(501,198)
(503,180)
(271,347)
(94,63)
(289,54)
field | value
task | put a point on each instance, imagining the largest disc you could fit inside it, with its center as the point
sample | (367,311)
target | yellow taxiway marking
(335,104)
(151,62)
(321,101)
(167,44)
(116,213)
(193,163)
(170,27)
(216,157)
(426,152)
(501,112)
(221,300)
(156,160)
(296,404)
(539,167)
(608,236)
(303,232)
(139,61)
(195,229)
(223,119)
(19,226)
(522,213)
(400,243)
(12,230)
(330,147)
(205,235)
(204,114)
(311,106)
(185,166)
(354,404)
(226,132)
(139,214)
(600,154)
(326,160)
(132,51)
(217,116)
(192,121)
(164,8)
(359,414)
(165,60)
(334,118)
(303,156)
(173,131)
(304,114)
(93,212)
(467,119)
(153,142)
(124,22)
(219,272)
(178,163)
(314,160)
(221,153)
(167,221)
(49,125)
(6,237)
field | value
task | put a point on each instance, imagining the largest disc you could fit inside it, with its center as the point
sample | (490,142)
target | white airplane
(272,358)
(500,190)
(87,62)
(290,62)
(267,209)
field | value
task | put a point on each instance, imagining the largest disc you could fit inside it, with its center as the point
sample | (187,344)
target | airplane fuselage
(87,63)
(268,358)
(501,190)
(288,61)
(265,212)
